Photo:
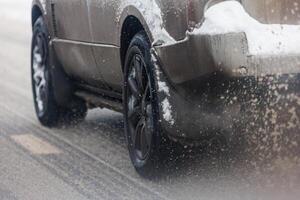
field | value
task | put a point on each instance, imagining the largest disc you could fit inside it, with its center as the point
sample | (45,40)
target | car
(178,70)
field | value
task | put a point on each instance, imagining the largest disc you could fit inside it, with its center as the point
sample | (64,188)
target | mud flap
(63,88)
(166,114)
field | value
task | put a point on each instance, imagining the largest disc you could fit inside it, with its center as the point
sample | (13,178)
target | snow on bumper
(201,55)
(238,48)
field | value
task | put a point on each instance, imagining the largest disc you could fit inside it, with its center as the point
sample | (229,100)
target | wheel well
(130,28)
(35,14)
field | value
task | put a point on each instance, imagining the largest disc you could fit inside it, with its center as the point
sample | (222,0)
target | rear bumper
(202,55)
(210,79)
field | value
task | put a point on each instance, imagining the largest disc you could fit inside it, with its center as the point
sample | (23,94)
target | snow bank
(263,39)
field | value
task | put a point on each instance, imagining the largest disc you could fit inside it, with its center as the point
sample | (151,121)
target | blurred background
(90,160)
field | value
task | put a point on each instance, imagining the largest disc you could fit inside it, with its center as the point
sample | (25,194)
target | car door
(104,32)
(73,43)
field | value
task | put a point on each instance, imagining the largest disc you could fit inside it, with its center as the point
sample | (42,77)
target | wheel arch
(131,22)
(37,10)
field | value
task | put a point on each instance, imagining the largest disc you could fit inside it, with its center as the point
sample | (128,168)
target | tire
(141,108)
(48,111)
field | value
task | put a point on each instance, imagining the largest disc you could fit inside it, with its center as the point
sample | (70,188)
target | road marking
(35,145)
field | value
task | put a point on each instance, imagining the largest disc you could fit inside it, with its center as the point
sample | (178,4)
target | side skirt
(100,99)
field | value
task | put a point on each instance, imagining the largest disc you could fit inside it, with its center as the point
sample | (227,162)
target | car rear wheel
(141,106)
(47,109)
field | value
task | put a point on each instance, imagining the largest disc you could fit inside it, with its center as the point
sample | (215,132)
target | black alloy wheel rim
(39,72)
(139,108)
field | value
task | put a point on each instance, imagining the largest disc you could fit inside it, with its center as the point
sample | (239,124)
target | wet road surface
(90,160)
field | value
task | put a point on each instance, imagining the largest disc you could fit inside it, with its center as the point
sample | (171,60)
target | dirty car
(179,70)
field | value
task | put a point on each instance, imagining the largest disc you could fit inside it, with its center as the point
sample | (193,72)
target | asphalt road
(90,160)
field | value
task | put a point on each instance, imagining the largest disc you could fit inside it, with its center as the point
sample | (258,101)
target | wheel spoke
(137,134)
(42,83)
(142,138)
(139,73)
(134,110)
(145,144)
(146,94)
(134,113)
(38,58)
(134,88)
(36,55)
(40,45)
(149,130)
(38,74)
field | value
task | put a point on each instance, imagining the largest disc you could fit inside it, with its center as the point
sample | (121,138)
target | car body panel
(70,17)
(107,58)
(78,61)
(75,47)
